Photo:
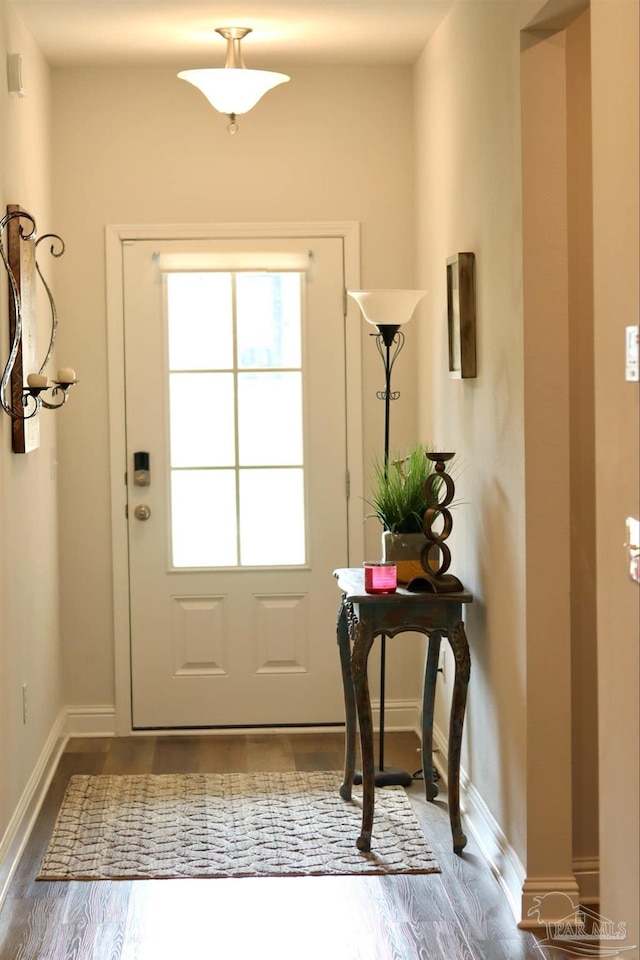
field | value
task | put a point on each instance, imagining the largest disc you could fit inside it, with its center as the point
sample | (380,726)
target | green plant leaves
(398,490)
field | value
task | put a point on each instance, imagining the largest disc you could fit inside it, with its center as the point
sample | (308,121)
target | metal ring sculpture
(437,508)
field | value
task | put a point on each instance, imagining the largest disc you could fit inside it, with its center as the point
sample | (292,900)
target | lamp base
(389,777)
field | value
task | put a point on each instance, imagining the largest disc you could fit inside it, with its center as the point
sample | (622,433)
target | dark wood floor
(460,914)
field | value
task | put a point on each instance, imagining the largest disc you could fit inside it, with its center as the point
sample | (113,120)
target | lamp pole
(389,341)
(383,309)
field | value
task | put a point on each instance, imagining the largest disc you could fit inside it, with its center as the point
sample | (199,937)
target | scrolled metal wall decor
(21,401)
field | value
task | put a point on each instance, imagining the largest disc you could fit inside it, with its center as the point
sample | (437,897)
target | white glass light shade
(233,89)
(387,307)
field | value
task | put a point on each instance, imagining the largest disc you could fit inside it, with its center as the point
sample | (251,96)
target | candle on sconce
(66,375)
(37,381)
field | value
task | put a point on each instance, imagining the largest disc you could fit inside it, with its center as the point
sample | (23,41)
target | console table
(364,616)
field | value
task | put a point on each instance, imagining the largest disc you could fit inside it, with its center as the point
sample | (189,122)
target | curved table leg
(362,642)
(349,700)
(459,645)
(428,701)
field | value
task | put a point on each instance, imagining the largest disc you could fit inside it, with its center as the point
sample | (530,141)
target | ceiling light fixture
(233,89)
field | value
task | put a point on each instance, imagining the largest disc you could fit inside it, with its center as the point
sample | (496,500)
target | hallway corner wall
(509,425)
(29,632)
(616,219)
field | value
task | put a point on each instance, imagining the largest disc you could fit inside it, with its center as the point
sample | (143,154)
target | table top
(351,582)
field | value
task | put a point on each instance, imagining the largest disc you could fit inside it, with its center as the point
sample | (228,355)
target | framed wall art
(461,315)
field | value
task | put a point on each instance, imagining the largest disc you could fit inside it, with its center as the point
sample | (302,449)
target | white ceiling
(182,32)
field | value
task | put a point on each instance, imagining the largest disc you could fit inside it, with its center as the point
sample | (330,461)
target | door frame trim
(116,236)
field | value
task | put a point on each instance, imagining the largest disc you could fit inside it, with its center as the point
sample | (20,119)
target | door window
(236,419)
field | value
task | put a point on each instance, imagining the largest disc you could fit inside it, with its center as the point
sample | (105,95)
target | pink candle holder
(380,577)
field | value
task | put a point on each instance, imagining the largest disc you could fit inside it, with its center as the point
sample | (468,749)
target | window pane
(270,419)
(200,321)
(203,518)
(201,419)
(272,517)
(268,319)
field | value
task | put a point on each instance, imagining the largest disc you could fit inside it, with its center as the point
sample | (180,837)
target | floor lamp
(387,310)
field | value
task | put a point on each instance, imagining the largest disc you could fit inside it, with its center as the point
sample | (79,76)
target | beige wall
(614,65)
(547,459)
(139,146)
(584,675)
(29,637)
(525,426)
(468,180)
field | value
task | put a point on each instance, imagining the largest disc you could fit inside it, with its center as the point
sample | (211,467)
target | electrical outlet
(25,703)
(443,665)
(632,371)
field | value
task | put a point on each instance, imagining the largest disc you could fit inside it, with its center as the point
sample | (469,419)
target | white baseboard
(535,914)
(21,823)
(586,870)
(85,720)
(582,885)
(398,715)
(496,849)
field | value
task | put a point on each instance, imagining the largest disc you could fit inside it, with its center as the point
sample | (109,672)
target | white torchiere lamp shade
(385,308)
(233,89)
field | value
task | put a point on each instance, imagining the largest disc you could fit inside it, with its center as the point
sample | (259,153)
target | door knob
(142,512)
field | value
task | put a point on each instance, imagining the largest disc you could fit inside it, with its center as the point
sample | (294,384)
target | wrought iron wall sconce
(22,401)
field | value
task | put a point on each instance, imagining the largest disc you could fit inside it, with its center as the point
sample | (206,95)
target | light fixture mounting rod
(233,36)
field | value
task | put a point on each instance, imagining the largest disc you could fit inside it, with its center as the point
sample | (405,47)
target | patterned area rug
(227,825)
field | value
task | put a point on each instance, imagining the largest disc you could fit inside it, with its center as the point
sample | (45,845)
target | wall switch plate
(633,546)
(14,75)
(631,354)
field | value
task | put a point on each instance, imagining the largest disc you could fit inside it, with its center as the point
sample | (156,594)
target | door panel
(214,643)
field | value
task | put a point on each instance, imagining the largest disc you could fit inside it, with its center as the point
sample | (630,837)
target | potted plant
(398,501)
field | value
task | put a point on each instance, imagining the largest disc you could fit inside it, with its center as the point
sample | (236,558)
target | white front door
(235,389)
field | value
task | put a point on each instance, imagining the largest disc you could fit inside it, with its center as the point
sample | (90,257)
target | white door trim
(115,236)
